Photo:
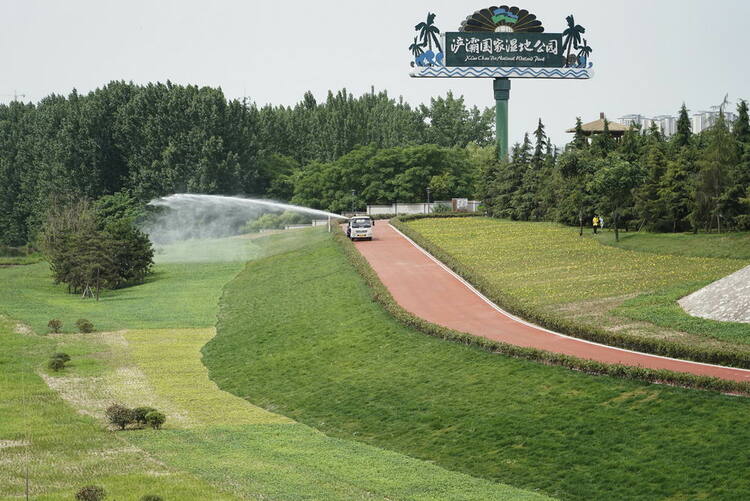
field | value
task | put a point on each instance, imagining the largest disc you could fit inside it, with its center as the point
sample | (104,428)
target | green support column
(502,94)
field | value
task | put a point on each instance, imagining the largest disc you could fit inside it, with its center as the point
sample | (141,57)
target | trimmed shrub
(155,419)
(151,497)
(55,325)
(91,493)
(119,415)
(56,364)
(84,326)
(62,356)
(139,414)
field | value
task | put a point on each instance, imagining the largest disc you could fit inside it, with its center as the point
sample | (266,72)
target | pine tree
(579,137)
(741,128)
(716,164)
(684,128)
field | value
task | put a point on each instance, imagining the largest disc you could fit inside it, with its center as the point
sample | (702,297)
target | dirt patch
(7,444)
(123,383)
(24,330)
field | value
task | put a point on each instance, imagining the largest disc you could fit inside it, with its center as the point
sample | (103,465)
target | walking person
(601,222)
(595,223)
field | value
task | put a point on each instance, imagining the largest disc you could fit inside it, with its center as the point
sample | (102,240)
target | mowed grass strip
(299,333)
(63,449)
(171,361)
(238,447)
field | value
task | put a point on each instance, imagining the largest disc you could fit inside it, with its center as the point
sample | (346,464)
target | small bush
(55,325)
(155,419)
(84,325)
(56,364)
(91,493)
(139,414)
(62,356)
(151,497)
(119,415)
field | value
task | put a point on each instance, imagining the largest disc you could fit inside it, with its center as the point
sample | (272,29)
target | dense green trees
(91,249)
(687,182)
(391,175)
(158,139)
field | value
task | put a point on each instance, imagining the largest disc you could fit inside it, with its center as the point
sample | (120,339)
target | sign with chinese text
(466,49)
(500,42)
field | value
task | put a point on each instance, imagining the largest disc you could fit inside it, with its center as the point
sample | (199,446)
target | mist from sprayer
(193,228)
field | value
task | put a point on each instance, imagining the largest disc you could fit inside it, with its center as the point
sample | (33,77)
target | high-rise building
(699,121)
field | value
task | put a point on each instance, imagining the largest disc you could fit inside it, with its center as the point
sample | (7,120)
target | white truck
(360,227)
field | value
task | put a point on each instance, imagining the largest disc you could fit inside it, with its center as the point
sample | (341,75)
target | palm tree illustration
(585,50)
(416,48)
(572,35)
(428,32)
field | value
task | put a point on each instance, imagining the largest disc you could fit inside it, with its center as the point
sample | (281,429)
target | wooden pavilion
(597,127)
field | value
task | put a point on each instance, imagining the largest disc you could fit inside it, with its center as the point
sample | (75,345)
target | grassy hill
(214,445)
(300,334)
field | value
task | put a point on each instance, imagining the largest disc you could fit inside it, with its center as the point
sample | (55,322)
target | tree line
(152,140)
(688,182)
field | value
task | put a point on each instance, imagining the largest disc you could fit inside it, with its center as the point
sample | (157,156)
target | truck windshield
(361,223)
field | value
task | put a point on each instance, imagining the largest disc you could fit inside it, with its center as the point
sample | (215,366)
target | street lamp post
(428,200)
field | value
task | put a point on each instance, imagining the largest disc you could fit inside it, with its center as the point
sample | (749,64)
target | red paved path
(426,288)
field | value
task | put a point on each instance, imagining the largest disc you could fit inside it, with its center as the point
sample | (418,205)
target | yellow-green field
(548,268)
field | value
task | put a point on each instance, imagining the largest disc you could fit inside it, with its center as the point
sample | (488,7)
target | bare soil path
(427,288)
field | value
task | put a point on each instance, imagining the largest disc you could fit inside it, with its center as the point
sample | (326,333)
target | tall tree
(715,168)
(579,137)
(613,183)
(684,129)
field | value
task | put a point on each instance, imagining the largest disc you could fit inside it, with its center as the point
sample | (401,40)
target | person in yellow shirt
(596,223)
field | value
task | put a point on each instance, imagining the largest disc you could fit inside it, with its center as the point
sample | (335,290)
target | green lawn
(63,449)
(630,289)
(300,334)
(725,245)
(183,291)
(214,445)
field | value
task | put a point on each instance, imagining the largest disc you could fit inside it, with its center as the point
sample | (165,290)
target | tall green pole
(502,94)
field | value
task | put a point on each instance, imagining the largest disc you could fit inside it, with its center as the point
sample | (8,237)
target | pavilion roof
(598,126)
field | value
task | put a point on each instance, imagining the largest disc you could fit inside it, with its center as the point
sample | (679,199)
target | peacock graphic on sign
(502,19)
(428,38)
(500,34)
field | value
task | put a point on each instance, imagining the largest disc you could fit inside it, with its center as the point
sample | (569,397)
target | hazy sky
(649,56)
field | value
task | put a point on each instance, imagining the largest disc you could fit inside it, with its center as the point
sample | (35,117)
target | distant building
(699,121)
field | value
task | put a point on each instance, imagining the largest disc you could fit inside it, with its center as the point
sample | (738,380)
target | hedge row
(656,346)
(381,295)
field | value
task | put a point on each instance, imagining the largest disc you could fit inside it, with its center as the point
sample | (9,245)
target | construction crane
(15,95)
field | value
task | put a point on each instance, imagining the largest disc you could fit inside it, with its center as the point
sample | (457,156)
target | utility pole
(428,200)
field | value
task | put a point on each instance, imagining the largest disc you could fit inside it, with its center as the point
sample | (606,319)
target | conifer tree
(684,129)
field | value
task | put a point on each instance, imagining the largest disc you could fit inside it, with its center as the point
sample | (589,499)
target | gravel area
(727,299)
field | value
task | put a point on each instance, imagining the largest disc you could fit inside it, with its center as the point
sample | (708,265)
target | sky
(649,56)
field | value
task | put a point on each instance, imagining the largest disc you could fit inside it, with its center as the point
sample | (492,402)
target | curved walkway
(427,288)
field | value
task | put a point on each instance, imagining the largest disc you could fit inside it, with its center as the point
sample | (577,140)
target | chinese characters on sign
(504,49)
